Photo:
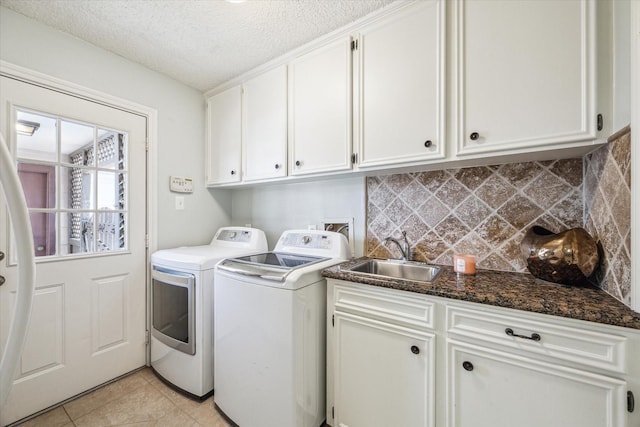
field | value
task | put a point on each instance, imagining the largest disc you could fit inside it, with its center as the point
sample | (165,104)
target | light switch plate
(179,203)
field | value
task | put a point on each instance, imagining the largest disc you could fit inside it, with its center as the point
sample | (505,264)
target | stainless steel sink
(406,270)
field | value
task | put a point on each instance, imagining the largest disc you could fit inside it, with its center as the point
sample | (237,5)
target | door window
(74,176)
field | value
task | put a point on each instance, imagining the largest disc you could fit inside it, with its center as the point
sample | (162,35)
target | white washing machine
(182,307)
(270,331)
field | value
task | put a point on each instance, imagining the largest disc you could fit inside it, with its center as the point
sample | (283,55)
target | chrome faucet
(404,246)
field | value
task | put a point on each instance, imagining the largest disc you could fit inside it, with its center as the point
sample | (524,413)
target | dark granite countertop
(520,291)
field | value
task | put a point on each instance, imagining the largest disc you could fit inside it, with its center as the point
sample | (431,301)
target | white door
(83,171)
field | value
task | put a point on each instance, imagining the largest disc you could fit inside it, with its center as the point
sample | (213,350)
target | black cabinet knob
(428,143)
(468,366)
(298,163)
(233,172)
(277,166)
(415,349)
(474,136)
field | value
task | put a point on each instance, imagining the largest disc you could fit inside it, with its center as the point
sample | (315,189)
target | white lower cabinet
(381,363)
(489,388)
(384,374)
(405,359)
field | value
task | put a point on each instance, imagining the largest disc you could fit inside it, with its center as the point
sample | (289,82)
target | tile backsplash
(608,212)
(486,210)
(483,211)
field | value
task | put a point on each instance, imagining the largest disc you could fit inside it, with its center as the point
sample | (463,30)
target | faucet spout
(404,246)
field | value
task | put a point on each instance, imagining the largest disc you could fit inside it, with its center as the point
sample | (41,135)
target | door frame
(36,78)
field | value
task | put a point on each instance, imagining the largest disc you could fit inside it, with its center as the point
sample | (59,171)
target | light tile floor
(139,400)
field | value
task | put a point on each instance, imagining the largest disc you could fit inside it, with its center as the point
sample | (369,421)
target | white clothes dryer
(270,331)
(182,291)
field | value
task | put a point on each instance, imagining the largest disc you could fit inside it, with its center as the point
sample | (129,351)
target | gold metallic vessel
(569,257)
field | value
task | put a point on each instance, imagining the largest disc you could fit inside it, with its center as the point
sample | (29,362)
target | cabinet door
(264,137)
(524,75)
(224,137)
(402,87)
(320,110)
(493,389)
(384,375)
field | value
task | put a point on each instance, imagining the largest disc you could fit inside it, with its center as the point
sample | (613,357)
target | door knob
(2,280)
(468,366)
(415,349)
(1,256)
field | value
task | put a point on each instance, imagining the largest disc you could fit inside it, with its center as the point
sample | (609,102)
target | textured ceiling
(201,43)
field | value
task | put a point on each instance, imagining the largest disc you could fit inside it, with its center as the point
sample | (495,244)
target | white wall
(621,64)
(181,118)
(278,207)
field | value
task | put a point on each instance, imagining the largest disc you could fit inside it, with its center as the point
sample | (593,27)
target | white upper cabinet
(320,110)
(264,136)
(224,135)
(401,87)
(525,75)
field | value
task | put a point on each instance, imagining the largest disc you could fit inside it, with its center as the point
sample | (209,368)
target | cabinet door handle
(468,366)
(415,349)
(2,280)
(233,172)
(277,166)
(533,337)
(474,136)
(428,143)
(1,256)
(298,163)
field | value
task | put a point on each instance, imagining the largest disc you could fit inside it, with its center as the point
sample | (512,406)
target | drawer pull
(415,349)
(533,337)
(468,366)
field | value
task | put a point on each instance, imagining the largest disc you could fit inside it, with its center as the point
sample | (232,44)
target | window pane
(42,145)
(39,184)
(76,143)
(110,231)
(44,233)
(76,188)
(87,232)
(111,150)
(79,169)
(111,187)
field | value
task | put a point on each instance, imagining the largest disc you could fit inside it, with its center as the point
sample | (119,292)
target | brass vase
(568,257)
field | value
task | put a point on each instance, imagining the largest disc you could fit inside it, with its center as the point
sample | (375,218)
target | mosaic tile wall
(481,210)
(608,212)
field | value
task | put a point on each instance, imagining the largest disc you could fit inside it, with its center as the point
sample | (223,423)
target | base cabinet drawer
(486,388)
(572,346)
